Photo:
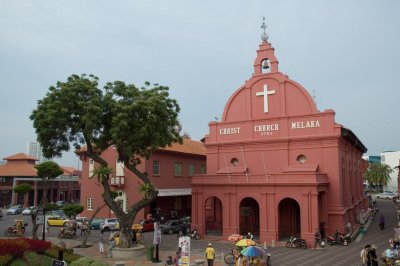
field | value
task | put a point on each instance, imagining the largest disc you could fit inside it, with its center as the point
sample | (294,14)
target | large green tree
(135,121)
(378,174)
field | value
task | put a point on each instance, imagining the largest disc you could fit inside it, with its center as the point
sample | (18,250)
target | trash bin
(150,252)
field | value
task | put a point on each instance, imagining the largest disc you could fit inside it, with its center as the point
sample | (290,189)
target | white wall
(392,158)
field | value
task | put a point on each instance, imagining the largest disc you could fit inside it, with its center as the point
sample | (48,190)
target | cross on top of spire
(264,35)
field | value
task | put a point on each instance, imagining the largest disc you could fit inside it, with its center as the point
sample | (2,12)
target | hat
(209,244)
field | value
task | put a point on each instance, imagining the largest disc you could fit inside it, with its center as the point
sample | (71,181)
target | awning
(169,192)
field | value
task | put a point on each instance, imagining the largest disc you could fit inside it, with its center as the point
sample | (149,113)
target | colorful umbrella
(252,251)
(245,243)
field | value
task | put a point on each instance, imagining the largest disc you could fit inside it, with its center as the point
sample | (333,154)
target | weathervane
(264,35)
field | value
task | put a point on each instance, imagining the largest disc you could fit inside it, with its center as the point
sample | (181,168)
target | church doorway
(213,216)
(289,219)
(249,217)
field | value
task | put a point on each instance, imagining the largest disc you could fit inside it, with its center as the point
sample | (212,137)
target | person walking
(210,255)
(366,256)
(382,222)
(111,244)
(317,238)
(374,256)
(101,242)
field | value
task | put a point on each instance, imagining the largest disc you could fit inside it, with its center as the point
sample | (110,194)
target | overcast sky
(346,53)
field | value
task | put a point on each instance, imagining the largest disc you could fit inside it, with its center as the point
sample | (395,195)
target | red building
(277,166)
(170,169)
(20,168)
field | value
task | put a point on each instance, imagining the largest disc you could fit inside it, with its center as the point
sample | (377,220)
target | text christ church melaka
(276,166)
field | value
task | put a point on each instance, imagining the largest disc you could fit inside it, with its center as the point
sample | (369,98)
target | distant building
(372,158)
(20,168)
(35,150)
(392,158)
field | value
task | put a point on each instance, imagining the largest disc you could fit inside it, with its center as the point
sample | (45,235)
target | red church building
(277,166)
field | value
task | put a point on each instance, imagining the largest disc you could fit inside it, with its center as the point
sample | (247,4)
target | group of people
(369,256)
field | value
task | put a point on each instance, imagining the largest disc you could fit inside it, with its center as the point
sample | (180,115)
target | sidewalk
(93,252)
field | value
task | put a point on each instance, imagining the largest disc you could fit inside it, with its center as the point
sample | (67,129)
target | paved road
(331,255)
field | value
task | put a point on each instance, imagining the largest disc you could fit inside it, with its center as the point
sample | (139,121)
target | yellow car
(57,221)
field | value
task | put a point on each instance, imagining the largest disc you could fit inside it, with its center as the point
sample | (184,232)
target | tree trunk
(86,236)
(125,233)
(34,225)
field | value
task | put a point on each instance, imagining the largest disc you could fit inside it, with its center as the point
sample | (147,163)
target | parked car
(16,209)
(173,226)
(29,210)
(58,213)
(392,192)
(109,224)
(80,221)
(386,195)
(57,221)
(95,224)
(148,225)
(60,203)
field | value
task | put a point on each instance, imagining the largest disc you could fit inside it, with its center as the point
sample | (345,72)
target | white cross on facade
(265,93)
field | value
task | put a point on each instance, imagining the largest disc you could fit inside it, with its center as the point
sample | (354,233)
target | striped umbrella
(252,251)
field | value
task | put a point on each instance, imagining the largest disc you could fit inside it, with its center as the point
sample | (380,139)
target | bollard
(273,243)
(222,256)
(265,244)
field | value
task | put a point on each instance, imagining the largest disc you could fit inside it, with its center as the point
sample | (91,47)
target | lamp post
(157,234)
(44,222)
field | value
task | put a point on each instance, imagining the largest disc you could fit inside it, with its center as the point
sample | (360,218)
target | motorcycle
(18,229)
(338,239)
(194,234)
(66,233)
(294,242)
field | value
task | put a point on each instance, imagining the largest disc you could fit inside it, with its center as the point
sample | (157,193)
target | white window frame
(91,167)
(119,167)
(89,204)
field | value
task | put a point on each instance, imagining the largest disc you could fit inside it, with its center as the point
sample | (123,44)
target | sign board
(58,263)
(39,219)
(184,244)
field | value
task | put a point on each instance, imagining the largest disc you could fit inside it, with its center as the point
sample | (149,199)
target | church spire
(266,61)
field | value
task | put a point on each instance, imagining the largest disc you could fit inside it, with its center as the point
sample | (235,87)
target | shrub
(85,261)
(5,259)
(37,246)
(19,262)
(98,263)
(33,258)
(16,247)
(69,256)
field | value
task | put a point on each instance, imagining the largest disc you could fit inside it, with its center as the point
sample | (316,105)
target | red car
(148,225)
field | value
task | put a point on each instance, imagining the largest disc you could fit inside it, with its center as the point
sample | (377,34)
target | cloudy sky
(346,53)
